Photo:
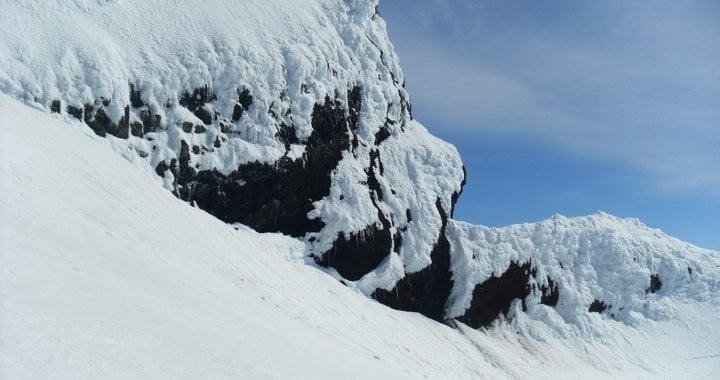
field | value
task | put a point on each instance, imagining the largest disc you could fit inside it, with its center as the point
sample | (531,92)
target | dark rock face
(55,106)
(495,295)
(598,306)
(359,253)
(150,123)
(276,197)
(382,135)
(550,295)
(457,195)
(287,134)
(655,284)
(135,97)
(196,102)
(242,105)
(76,112)
(425,291)
(96,118)
(272,197)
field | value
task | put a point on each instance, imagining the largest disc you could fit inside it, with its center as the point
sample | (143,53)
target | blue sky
(572,107)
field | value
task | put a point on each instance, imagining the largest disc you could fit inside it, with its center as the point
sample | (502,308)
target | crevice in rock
(549,295)
(372,181)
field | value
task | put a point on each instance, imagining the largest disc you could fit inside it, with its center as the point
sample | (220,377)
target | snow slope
(103,276)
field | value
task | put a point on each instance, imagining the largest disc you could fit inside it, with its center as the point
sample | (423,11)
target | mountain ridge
(105,277)
(293,118)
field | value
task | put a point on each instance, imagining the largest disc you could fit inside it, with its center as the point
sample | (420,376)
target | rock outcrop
(293,117)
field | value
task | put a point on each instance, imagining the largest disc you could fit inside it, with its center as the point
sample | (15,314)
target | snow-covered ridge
(104,277)
(288,116)
(291,116)
(603,263)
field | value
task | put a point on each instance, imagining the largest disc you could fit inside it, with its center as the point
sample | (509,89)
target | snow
(104,274)
(597,257)
(289,54)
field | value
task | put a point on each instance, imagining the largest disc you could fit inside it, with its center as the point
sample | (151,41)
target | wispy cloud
(636,84)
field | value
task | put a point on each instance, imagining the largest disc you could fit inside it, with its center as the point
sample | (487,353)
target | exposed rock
(598,306)
(76,112)
(287,135)
(150,121)
(136,129)
(161,168)
(242,105)
(655,283)
(196,102)
(356,255)
(274,198)
(101,124)
(496,294)
(55,106)
(135,99)
(382,135)
(425,291)
(550,295)
(97,120)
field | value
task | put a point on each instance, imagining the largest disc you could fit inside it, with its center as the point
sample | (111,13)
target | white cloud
(642,90)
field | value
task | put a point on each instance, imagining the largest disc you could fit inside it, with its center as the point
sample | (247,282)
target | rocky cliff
(292,117)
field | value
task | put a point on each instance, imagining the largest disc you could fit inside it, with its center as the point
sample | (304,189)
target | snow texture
(288,55)
(104,274)
(598,257)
